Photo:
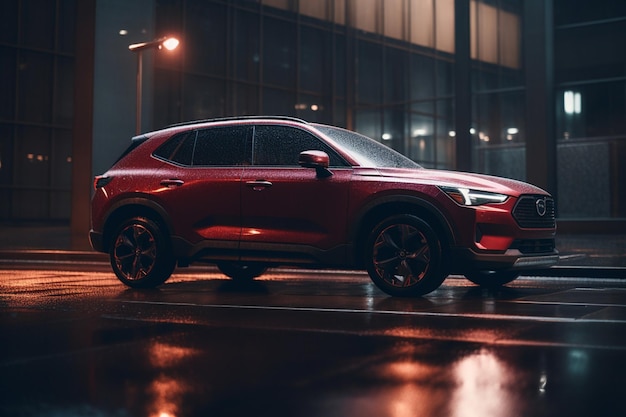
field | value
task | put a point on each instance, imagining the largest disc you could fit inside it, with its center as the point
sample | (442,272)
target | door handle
(172,183)
(258,185)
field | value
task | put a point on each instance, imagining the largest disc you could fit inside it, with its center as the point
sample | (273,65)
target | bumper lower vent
(534,246)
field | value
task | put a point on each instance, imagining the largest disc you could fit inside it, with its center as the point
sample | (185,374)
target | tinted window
(222,146)
(281,146)
(209,147)
(178,149)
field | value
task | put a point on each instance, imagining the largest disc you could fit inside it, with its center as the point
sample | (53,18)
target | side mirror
(315,159)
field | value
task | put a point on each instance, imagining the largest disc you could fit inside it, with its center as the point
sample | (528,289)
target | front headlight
(468,197)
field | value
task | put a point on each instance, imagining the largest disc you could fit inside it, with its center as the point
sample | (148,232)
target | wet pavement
(75,342)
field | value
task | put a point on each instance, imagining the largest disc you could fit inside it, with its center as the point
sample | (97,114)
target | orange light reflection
(166,391)
(163,355)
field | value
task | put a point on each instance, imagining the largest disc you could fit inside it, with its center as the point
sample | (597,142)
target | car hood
(460,179)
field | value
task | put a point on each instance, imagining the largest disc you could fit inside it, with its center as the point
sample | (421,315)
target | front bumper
(511,259)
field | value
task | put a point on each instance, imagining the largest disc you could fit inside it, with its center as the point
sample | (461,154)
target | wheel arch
(383,208)
(133,207)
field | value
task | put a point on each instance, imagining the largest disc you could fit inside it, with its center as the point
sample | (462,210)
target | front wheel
(403,257)
(239,271)
(492,278)
(140,254)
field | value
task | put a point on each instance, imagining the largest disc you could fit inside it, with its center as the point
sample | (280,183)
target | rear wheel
(239,271)
(140,254)
(403,257)
(492,278)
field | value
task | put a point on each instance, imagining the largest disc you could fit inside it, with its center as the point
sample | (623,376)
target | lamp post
(166,42)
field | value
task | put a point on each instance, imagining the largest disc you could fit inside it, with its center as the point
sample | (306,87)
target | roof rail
(225,119)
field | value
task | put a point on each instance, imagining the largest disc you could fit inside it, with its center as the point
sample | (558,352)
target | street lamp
(166,42)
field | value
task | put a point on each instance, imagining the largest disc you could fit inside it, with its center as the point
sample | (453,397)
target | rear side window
(220,146)
(178,149)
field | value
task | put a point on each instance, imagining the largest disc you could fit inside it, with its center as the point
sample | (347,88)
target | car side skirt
(268,253)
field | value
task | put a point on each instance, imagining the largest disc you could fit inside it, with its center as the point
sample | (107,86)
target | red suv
(257,192)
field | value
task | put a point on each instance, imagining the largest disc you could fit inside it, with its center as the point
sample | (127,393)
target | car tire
(241,271)
(140,253)
(492,278)
(403,257)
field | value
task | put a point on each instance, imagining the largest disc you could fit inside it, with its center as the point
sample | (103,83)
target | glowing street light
(166,42)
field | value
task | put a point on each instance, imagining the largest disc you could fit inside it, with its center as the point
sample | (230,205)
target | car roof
(240,118)
(192,124)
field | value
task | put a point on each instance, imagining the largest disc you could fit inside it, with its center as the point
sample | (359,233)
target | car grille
(528,210)
(532,246)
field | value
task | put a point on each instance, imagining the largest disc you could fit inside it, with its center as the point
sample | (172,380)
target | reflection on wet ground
(78,344)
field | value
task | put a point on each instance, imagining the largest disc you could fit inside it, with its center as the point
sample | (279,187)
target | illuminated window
(571,102)
(340,12)
(422,23)
(365,13)
(394,18)
(495,35)
(444,24)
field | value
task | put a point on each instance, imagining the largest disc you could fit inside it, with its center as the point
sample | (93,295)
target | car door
(202,183)
(288,208)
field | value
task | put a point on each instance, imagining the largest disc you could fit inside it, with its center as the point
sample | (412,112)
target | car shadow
(405,303)
(252,286)
(221,286)
(498,292)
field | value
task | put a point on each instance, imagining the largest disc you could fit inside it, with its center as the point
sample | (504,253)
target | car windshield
(366,151)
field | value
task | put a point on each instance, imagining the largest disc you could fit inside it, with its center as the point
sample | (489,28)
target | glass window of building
(36,109)
(498,90)
(590,106)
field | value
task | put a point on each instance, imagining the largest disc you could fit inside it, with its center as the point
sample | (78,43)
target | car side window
(281,146)
(222,146)
(178,149)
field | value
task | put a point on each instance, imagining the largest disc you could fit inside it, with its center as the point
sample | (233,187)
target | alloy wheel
(401,255)
(135,251)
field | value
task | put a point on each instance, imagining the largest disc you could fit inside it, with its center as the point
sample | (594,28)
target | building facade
(527,89)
